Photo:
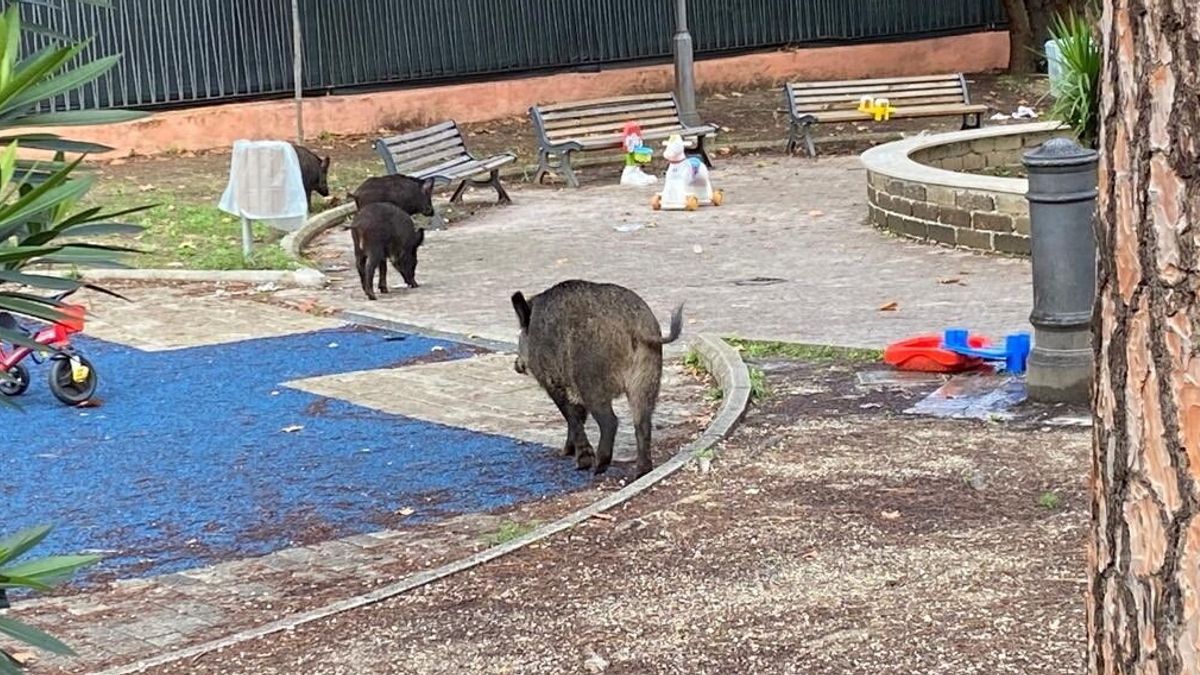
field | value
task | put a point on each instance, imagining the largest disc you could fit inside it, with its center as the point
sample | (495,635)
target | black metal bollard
(1062,205)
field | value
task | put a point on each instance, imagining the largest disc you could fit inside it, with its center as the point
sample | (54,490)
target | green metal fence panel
(191,52)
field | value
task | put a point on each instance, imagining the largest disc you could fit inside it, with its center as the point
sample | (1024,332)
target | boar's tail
(676,329)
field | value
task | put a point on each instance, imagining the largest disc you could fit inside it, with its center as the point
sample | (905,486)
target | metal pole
(685,72)
(247,238)
(298,69)
(1062,206)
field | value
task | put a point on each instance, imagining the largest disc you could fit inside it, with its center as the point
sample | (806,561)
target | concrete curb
(378,321)
(722,361)
(295,242)
(306,277)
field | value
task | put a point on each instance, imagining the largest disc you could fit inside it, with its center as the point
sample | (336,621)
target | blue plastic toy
(1014,355)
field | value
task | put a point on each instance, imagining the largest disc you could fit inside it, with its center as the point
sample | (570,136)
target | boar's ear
(522,307)
(427,186)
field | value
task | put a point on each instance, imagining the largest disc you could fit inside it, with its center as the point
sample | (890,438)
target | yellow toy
(878,108)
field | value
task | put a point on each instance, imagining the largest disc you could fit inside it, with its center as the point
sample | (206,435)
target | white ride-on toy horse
(686,186)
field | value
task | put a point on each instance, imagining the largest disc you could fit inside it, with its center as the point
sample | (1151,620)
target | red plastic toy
(72,378)
(924,353)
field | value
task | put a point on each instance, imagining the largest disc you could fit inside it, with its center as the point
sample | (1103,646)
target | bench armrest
(561,145)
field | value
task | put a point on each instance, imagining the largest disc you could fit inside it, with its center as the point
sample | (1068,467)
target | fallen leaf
(724,150)
(697,249)
(292,429)
(816,213)
(949,280)
(603,516)
(720,97)
(406,511)
(23,659)
(736,94)
(889,307)
(147,187)
(890,515)
(91,403)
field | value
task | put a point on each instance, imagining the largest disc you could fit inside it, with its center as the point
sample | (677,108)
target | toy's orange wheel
(656,202)
(692,203)
(718,197)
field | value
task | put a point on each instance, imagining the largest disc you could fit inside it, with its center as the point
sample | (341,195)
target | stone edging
(725,364)
(295,242)
(916,187)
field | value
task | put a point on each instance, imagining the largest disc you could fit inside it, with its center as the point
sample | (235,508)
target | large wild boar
(586,344)
(382,232)
(413,195)
(314,171)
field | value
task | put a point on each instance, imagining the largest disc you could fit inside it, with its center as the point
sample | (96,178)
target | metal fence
(189,52)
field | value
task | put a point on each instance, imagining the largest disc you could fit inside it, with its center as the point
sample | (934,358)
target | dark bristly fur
(382,232)
(314,171)
(412,195)
(586,344)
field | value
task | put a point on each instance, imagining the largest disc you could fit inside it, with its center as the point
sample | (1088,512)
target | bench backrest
(605,117)
(425,151)
(816,97)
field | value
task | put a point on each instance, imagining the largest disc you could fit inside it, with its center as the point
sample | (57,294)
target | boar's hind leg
(607,420)
(383,287)
(374,261)
(641,407)
(577,444)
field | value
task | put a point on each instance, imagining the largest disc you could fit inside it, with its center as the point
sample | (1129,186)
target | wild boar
(314,171)
(413,195)
(588,343)
(382,232)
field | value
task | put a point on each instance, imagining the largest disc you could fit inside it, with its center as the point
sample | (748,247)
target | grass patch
(1049,501)
(509,531)
(758,384)
(803,352)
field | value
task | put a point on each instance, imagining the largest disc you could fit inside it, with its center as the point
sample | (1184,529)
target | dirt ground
(832,535)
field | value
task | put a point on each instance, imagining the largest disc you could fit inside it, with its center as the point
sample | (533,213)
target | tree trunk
(1143,600)
(1020,37)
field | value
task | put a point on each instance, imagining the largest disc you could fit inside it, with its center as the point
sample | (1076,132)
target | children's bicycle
(73,380)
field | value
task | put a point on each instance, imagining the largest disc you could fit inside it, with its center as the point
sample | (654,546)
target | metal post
(1062,206)
(298,69)
(685,72)
(247,238)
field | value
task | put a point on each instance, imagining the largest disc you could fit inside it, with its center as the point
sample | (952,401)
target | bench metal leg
(808,141)
(702,153)
(502,197)
(562,168)
(793,142)
(458,192)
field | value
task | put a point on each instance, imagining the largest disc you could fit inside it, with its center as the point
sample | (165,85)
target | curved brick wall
(916,188)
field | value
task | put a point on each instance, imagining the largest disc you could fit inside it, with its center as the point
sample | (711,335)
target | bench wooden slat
(615,140)
(876,89)
(568,116)
(915,111)
(598,102)
(405,154)
(395,146)
(896,103)
(880,80)
(430,170)
(611,127)
(432,159)
(420,133)
(824,97)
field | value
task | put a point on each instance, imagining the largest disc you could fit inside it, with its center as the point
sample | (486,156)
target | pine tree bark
(1143,600)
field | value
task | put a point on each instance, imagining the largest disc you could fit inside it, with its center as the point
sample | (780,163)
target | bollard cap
(1060,152)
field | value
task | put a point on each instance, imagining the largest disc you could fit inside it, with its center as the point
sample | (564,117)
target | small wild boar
(586,344)
(314,171)
(382,232)
(413,195)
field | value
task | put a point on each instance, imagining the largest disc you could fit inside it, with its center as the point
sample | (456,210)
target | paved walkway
(789,257)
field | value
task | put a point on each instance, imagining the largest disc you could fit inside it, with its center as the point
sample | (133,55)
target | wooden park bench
(439,152)
(810,103)
(583,126)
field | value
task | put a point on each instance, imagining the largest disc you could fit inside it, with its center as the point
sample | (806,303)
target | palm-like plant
(41,575)
(39,224)
(1078,100)
(38,221)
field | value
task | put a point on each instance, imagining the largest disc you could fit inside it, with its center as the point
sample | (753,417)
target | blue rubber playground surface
(186,461)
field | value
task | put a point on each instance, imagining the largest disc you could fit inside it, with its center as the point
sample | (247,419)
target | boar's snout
(519,365)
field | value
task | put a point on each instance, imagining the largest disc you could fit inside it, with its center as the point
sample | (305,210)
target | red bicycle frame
(56,335)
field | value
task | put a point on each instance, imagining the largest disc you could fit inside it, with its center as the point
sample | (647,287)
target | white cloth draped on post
(265,184)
